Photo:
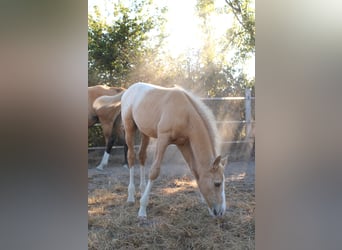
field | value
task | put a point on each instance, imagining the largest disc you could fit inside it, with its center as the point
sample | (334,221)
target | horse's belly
(179,140)
(150,131)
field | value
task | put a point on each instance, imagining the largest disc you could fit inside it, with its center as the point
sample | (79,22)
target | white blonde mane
(207,117)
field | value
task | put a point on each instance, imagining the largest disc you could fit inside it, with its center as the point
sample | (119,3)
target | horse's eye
(217,184)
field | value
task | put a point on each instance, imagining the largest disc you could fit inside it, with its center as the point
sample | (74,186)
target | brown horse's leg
(120,136)
(125,155)
(162,143)
(129,136)
(110,144)
(142,158)
(107,116)
(107,133)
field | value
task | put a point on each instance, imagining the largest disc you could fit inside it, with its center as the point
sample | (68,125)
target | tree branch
(236,11)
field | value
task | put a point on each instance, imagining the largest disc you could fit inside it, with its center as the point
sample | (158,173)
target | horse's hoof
(142,221)
(142,218)
(99,168)
(125,166)
(130,202)
(142,213)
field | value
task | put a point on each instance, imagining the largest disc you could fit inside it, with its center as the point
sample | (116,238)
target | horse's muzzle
(217,210)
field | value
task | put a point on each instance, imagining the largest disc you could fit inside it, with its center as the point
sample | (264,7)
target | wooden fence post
(248,113)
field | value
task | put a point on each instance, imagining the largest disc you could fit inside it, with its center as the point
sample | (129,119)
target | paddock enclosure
(234,117)
(177,218)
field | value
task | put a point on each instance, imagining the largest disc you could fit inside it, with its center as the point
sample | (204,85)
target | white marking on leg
(142,179)
(223,199)
(104,161)
(131,187)
(144,199)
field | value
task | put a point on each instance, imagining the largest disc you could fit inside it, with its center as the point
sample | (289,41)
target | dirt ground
(173,166)
(175,213)
(242,172)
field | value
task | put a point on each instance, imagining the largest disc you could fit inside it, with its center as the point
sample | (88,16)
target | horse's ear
(216,162)
(224,160)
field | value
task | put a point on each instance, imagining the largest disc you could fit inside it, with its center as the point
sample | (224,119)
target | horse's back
(152,107)
(146,98)
(145,94)
(137,92)
(106,101)
(100,90)
(93,93)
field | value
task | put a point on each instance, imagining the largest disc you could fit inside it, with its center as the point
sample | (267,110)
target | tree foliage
(242,35)
(218,74)
(116,50)
(129,49)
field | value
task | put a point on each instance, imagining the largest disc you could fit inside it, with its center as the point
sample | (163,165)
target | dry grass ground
(177,219)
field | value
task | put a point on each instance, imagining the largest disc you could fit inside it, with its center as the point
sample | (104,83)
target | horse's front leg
(162,143)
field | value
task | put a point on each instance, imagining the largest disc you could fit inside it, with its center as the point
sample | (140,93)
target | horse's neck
(202,147)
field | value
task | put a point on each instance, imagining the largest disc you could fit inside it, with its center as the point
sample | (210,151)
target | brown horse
(173,116)
(106,110)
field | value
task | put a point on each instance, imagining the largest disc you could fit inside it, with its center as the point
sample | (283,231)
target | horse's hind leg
(120,133)
(107,132)
(125,155)
(107,116)
(129,136)
(162,143)
(142,159)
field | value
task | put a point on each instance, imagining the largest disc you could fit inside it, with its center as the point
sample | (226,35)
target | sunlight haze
(184,34)
(182,25)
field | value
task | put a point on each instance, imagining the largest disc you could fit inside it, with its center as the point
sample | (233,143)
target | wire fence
(235,119)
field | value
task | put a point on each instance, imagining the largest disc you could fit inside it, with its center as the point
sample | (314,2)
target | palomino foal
(173,116)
